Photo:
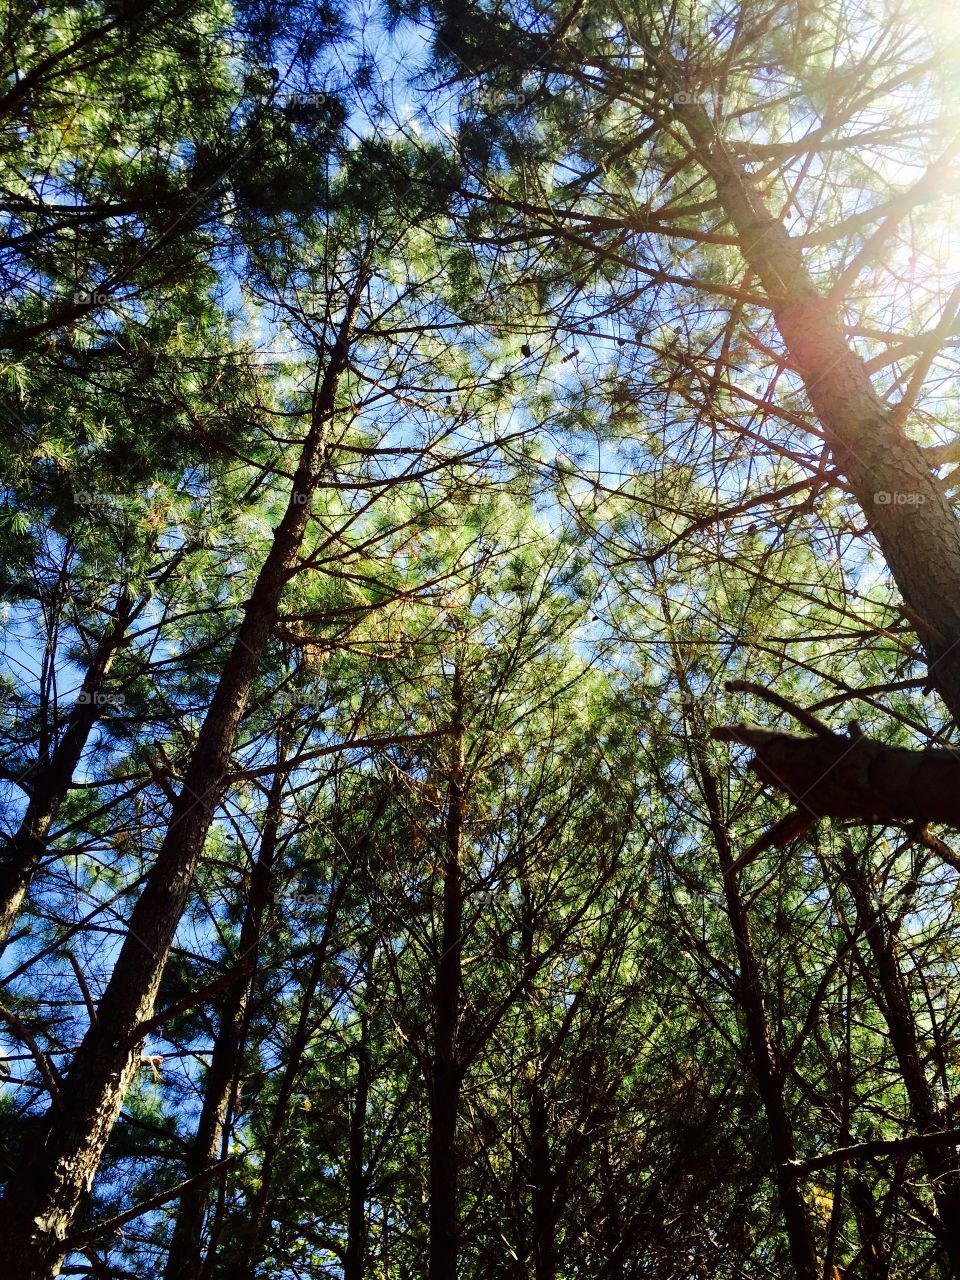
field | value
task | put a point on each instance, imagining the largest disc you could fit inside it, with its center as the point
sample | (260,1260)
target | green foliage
(473,832)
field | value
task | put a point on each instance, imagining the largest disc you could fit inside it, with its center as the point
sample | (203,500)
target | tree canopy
(480,663)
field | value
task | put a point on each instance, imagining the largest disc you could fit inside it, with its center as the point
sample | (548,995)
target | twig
(784,704)
(82,1238)
(44,1065)
(891,1147)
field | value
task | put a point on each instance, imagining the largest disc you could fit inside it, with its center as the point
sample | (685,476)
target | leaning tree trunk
(184,1261)
(53,779)
(919,537)
(446,1073)
(251,1231)
(39,1206)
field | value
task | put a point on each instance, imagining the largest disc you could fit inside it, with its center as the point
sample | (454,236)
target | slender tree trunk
(446,1071)
(920,539)
(354,1262)
(244,1264)
(184,1261)
(874,1259)
(894,1003)
(614,1263)
(770,1086)
(541,1189)
(762,1058)
(542,1179)
(40,1204)
(53,778)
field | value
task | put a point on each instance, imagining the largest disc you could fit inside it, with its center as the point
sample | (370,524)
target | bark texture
(906,507)
(39,1206)
(853,777)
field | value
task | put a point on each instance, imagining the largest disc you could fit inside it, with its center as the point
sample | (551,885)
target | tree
(462,467)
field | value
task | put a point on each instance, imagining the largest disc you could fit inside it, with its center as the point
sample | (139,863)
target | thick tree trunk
(894,1002)
(446,1071)
(53,778)
(40,1204)
(901,498)
(184,1261)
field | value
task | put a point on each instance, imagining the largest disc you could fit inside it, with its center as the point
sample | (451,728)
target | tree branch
(100,1229)
(891,1147)
(853,777)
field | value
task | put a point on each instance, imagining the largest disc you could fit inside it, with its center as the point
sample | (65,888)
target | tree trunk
(244,1264)
(894,1003)
(918,531)
(39,1206)
(874,1259)
(542,1179)
(355,1258)
(52,779)
(183,1259)
(611,1236)
(762,1058)
(446,1071)
(541,1188)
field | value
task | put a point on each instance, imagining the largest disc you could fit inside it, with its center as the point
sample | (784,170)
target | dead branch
(853,777)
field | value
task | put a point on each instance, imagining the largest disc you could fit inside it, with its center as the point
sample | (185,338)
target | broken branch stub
(853,778)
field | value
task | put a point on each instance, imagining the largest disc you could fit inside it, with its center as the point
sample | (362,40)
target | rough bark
(52,778)
(900,496)
(853,777)
(184,1259)
(39,1206)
